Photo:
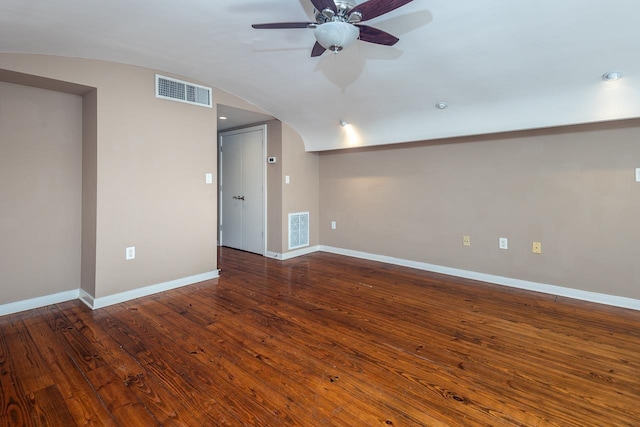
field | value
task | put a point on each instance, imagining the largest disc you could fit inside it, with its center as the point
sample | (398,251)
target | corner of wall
(302,193)
(89,190)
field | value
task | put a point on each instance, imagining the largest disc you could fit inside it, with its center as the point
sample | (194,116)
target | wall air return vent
(177,90)
(298,230)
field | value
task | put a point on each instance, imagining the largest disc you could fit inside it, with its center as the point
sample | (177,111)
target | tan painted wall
(89,189)
(572,189)
(40,192)
(152,159)
(302,194)
(274,187)
(152,156)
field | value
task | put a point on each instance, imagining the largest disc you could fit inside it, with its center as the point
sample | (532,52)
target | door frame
(263,128)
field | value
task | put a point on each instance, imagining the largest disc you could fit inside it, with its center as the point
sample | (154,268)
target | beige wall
(153,155)
(274,187)
(151,160)
(572,189)
(89,189)
(302,194)
(40,192)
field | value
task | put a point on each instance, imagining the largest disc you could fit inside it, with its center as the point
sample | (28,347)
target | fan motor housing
(343,6)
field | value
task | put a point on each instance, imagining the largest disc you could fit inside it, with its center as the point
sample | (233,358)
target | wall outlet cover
(503,243)
(130,253)
(466,240)
(537,248)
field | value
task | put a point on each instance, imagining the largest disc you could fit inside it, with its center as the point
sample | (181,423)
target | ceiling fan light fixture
(328,13)
(355,17)
(336,35)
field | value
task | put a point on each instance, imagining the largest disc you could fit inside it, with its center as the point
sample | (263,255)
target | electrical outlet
(503,243)
(130,253)
(537,248)
(333,225)
(466,240)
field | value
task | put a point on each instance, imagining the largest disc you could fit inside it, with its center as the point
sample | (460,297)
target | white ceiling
(501,65)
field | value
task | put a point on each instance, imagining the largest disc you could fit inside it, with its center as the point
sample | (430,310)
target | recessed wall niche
(42,185)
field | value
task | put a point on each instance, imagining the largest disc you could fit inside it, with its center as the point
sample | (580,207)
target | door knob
(238,197)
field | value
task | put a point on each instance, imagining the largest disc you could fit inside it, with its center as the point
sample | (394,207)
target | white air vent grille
(177,90)
(298,230)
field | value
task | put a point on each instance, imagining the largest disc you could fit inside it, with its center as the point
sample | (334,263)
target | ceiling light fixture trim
(612,76)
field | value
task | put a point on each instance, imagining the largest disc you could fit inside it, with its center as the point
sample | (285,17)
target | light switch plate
(287,180)
(637,174)
(208,178)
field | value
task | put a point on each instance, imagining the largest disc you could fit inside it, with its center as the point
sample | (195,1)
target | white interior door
(242,189)
(230,189)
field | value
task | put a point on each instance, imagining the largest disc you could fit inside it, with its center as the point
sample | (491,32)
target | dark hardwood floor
(323,340)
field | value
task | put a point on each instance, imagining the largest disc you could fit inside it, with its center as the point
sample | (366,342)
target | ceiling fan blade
(374,8)
(321,5)
(374,35)
(317,50)
(282,25)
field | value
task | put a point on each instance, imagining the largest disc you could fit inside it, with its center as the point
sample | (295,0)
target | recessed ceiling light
(612,76)
(441,105)
(222,118)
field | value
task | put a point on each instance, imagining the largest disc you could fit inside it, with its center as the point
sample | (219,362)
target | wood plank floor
(323,340)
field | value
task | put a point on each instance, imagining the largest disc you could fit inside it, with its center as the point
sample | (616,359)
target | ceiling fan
(337,23)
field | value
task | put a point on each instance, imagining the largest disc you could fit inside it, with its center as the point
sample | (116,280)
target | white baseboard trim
(612,300)
(86,298)
(30,304)
(95,303)
(293,254)
(274,255)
